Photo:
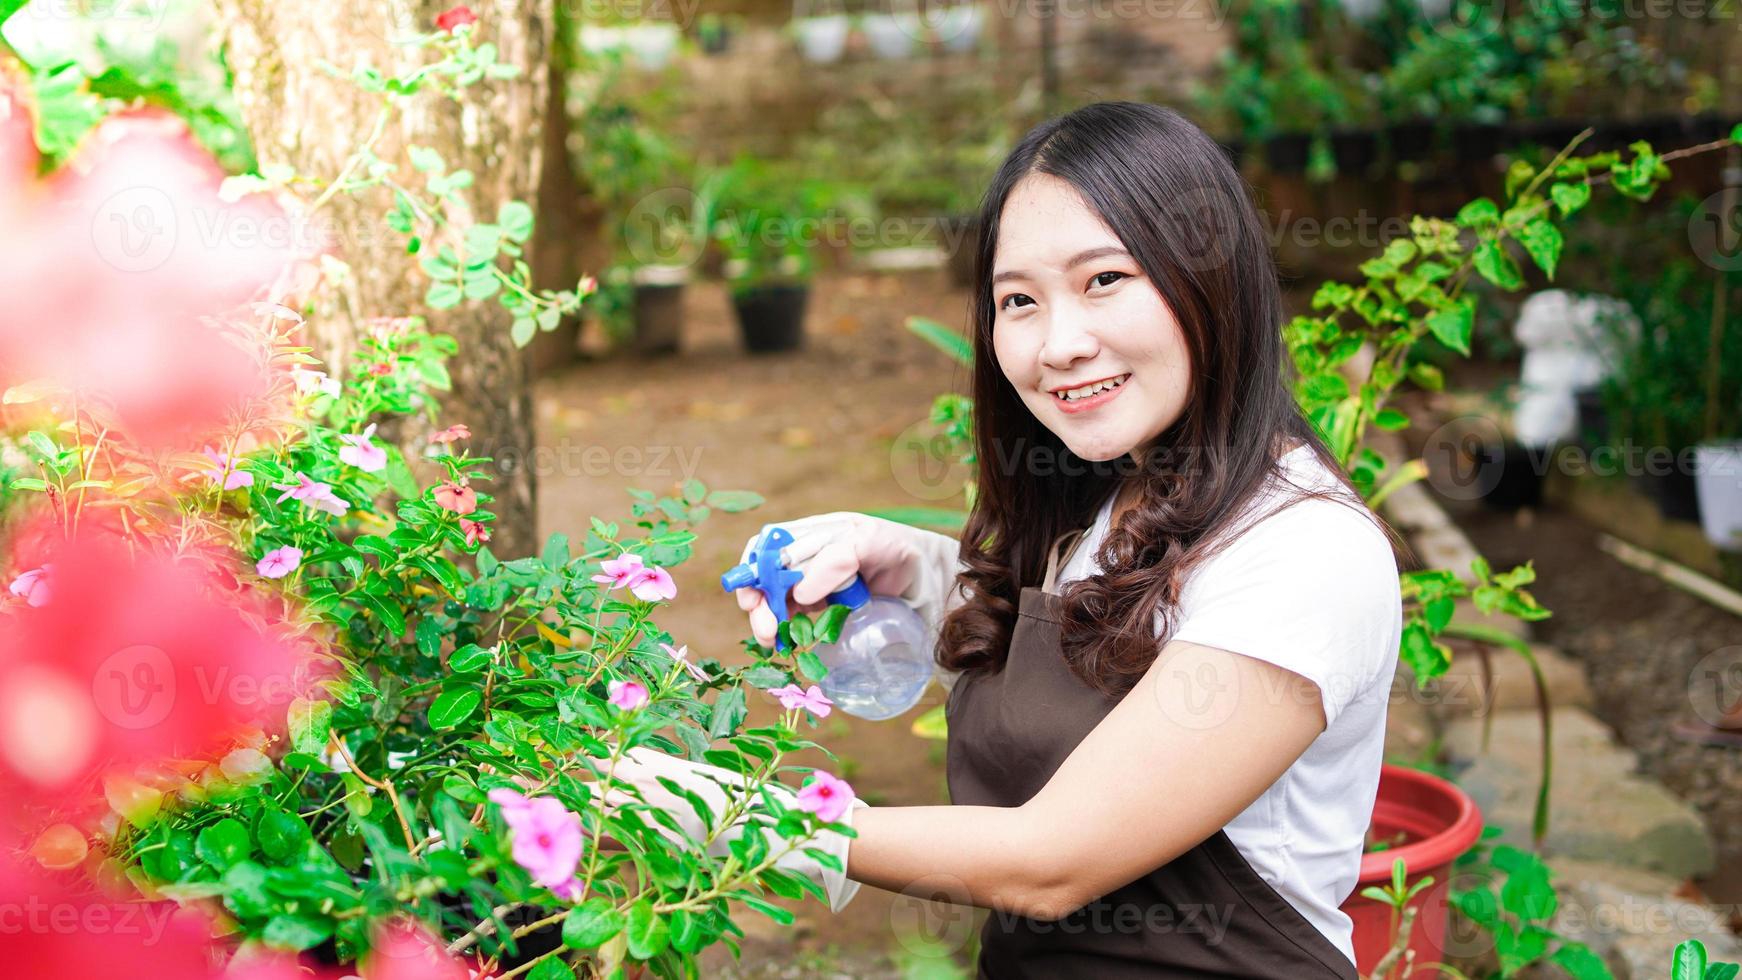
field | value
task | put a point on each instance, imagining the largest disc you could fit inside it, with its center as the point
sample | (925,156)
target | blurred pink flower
(226,472)
(32,586)
(545,836)
(313,493)
(458,17)
(811,700)
(682,656)
(476,532)
(456,497)
(279,562)
(452,433)
(825,796)
(362,453)
(627,695)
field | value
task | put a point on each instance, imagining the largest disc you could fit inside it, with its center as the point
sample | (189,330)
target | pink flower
(682,656)
(452,433)
(360,452)
(653,583)
(226,473)
(627,695)
(455,18)
(380,369)
(588,286)
(619,571)
(811,700)
(308,379)
(279,562)
(476,531)
(825,796)
(546,837)
(456,497)
(32,586)
(568,891)
(313,493)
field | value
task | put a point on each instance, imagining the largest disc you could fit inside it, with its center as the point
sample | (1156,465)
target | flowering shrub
(292,689)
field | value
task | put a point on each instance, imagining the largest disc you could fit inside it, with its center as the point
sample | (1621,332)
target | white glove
(913,564)
(641,767)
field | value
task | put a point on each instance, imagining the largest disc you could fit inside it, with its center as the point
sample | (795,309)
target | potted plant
(822,39)
(1425,823)
(763,220)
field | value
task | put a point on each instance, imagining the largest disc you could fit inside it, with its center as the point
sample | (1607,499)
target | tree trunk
(300,115)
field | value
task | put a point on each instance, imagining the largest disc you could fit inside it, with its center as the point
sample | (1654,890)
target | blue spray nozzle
(765,571)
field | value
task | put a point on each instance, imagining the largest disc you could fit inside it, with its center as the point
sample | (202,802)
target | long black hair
(1186,216)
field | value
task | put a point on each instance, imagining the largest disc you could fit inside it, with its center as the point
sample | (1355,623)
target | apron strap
(1072,537)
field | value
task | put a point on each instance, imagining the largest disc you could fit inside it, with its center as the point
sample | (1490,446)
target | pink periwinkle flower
(476,532)
(225,471)
(546,836)
(313,493)
(452,433)
(826,796)
(619,571)
(682,656)
(627,695)
(812,700)
(456,497)
(361,452)
(652,584)
(279,562)
(32,586)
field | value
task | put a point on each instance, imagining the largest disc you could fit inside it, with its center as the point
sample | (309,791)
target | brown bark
(301,115)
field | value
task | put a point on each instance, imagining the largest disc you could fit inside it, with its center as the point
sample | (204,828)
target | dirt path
(812,432)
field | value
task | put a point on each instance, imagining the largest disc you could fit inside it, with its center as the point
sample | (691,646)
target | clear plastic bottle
(880,664)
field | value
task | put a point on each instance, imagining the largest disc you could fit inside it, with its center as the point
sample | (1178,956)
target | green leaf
(1543,241)
(769,909)
(522,330)
(1421,654)
(1570,197)
(469,658)
(309,721)
(1688,962)
(245,890)
(392,620)
(729,712)
(453,707)
(556,551)
(647,930)
(811,665)
(1391,420)
(463,789)
(442,296)
(281,833)
(426,160)
(734,501)
(1452,326)
(223,843)
(829,625)
(951,342)
(1481,211)
(551,969)
(516,220)
(295,932)
(592,923)
(30,483)
(1497,266)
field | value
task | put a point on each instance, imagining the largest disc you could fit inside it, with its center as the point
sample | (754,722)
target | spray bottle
(879,665)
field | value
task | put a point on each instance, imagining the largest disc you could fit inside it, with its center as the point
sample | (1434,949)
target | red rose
(455,18)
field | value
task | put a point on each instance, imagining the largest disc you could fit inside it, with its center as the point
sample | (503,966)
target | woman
(1170,627)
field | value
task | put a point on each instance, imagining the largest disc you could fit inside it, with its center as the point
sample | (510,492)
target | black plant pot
(1513,477)
(1593,419)
(961,241)
(1355,149)
(1287,154)
(771,318)
(658,318)
(1478,142)
(1674,493)
(1411,140)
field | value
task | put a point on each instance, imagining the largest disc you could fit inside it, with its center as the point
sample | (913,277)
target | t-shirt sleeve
(1312,589)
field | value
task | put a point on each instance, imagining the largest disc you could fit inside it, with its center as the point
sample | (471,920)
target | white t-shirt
(1313,589)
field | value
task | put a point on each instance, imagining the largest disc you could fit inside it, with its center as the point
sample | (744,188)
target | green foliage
(1513,899)
(768,219)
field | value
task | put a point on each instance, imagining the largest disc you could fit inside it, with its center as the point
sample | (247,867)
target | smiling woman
(1166,767)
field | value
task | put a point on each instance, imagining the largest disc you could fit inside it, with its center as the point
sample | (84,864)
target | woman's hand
(911,563)
(642,768)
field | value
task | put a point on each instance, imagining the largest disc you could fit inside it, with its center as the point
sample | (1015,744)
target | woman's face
(1073,308)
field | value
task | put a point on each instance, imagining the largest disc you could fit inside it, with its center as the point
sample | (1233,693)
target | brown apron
(1206,913)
